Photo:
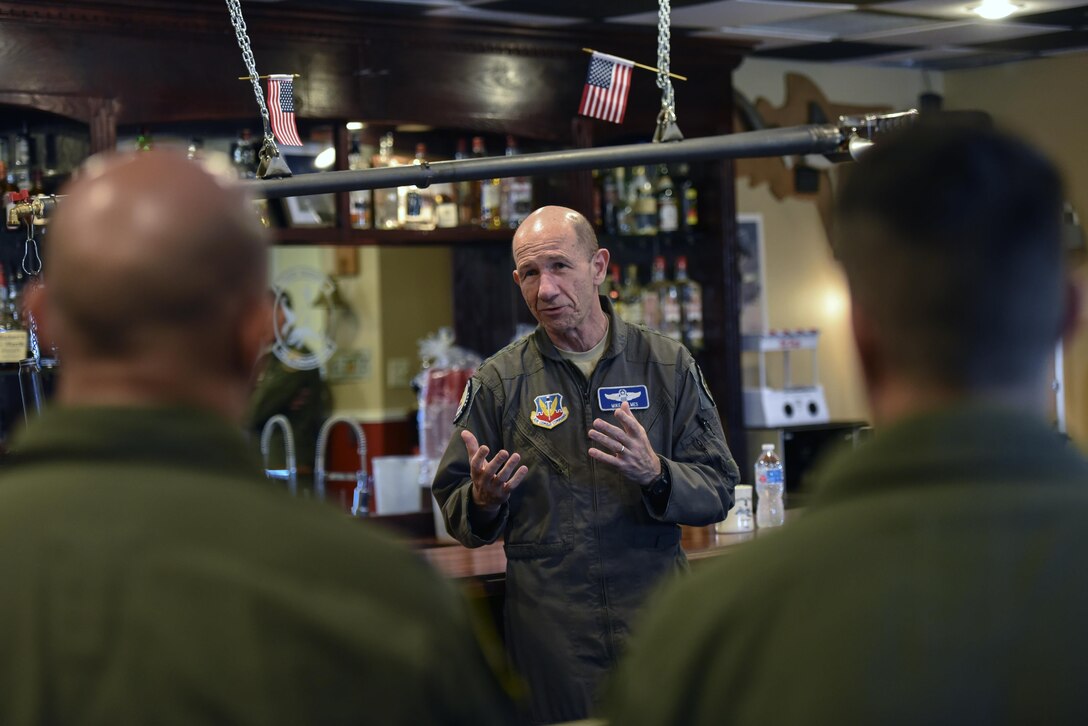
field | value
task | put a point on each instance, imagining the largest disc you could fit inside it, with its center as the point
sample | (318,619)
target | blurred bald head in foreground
(156,271)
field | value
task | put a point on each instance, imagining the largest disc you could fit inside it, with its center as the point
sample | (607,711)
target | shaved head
(153,258)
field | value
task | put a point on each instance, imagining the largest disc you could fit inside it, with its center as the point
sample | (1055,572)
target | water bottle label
(772,476)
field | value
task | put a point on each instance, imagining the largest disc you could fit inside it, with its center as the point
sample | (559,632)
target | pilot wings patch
(611,398)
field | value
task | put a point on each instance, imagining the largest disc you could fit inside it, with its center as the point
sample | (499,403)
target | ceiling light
(355,126)
(995,9)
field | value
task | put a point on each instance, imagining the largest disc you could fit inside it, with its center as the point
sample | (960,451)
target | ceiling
(931,34)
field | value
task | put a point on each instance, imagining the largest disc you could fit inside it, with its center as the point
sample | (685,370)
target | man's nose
(548,289)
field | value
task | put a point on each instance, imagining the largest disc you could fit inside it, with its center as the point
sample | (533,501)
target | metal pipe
(822,139)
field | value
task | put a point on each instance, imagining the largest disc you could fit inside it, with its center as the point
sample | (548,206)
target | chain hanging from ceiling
(272,165)
(667,130)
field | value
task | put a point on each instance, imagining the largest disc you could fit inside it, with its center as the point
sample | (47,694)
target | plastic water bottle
(770,484)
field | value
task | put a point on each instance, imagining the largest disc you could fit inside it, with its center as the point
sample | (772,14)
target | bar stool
(290,474)
(360,505)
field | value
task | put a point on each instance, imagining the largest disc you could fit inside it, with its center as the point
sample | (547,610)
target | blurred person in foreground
(150,573)
(937,576)
(584,446)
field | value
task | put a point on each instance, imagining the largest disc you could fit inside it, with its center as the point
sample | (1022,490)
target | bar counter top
(489,562)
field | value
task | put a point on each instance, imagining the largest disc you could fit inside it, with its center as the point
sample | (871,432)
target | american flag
(281,107)
(607,86)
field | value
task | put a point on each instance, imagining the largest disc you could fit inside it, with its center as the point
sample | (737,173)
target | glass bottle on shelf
(645,207)
(20,167)
(625,208)
(691,307)
(653,296)
(7,184)
(144,142)
(243,155)
(418,203)
(668,212)
(689,199)
(468,193)
(490,192)
(612,288)
(386,201)
(610,199)
(195,149)
(359,200)
(631,296)
(13,337)
(517,193)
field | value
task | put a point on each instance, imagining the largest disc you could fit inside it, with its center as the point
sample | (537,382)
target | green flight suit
(152,576)
(938,577)
(583,544)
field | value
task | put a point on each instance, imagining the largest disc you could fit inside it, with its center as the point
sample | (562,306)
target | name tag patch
(611,398)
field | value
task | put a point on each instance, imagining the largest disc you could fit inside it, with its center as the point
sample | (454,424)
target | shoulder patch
(697,374)
(465,405)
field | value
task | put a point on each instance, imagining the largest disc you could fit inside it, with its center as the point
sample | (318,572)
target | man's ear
(866,342)
(599,261)
(517,278)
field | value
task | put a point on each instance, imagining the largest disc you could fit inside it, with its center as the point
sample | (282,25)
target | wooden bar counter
(488,563)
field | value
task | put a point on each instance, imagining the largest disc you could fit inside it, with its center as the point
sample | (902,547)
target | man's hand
(625,446)
(492,481)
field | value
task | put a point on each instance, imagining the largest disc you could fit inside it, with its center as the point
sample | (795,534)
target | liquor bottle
(612,287)
(468,193)
(386,201)
(418,203)
(490,192)
(144,142)
(691,307)
(645,207)
(8,187)
(445,205)
(598,200)
(671,309)
(610,200)
(668,213)
(13,337)
(243,155)
(20,168)
(631,296)
(625,207)
(360,200)
(517,193)
(653,296)
(689,199)
(195,149)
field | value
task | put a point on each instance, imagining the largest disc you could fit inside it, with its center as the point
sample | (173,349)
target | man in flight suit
(585,445)
(150,573)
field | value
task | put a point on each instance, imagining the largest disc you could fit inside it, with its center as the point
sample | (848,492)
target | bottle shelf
(392,237)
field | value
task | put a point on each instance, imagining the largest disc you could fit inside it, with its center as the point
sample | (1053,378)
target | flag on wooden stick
(606,89)
(281,109)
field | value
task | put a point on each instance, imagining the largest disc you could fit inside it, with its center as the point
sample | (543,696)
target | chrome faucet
(290,474)
(360,506)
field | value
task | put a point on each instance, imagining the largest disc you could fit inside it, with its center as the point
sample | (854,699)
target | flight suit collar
(617,333)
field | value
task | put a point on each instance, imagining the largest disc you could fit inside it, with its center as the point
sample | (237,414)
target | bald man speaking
(150,574)
(584,445)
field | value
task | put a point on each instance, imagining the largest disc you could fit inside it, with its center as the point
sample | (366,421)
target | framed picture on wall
(753,304)
(315,210)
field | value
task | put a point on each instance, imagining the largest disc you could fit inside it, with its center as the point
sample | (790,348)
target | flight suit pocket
(541,520)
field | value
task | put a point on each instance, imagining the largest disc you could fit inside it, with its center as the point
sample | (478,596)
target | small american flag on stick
(606,89)
(281,109)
